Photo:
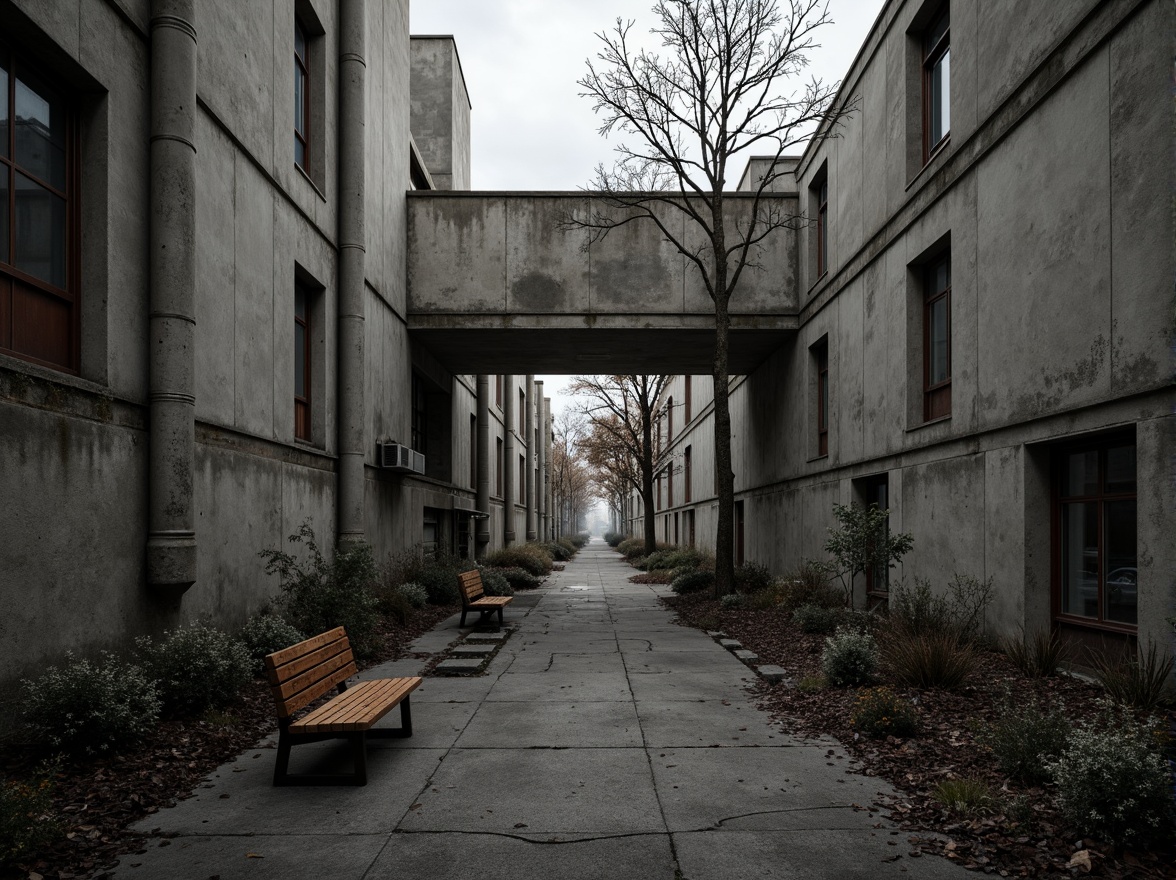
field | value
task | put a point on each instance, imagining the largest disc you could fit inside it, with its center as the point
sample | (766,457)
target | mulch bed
(1040,845)
(98,799)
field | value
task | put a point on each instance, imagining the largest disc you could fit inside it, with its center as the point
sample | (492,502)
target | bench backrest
(304,672)
(471,585)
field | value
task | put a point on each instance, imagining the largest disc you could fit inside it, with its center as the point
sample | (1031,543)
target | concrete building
(203,339)
(985,327)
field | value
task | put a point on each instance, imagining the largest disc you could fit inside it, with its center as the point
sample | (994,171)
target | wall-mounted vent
(397,457)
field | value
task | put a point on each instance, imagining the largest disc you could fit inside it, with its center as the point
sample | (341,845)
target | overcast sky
(531,130)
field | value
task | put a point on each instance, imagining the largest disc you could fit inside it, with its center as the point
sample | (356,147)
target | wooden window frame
(822,227)
(933,53)
(302,73)
(1057,501)
(303,416)
(10,276)
(821,353)
(936,396)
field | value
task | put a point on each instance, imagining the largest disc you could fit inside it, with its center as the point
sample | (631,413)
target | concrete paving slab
(552,724)
(459,666)
(597,687)
(489,857)
(731,644)
(662,643)
(550,791)
(693,686)
(724,723)
(706,660)
(444,689)
(745,656)
(471,650)
(393,669)
(571,663)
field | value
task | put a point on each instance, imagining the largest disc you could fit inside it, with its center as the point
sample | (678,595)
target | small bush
(815,619)
(1026,739)
(519,579)
(1140,684)
(1113,782)
(558,551)
(850,657)
(880,712)
(959,610)
(197,667)
(927,660)
(614,538)
(634,548)
(439,578)
(416,595)
(693,582)
(396,606)
(265,633)
(85,708)
(675,560)
(810,684)
(320,594)
(751,577)
(1040,655)
(495,584)
(27,819)
(733,602)
(807,585)
(529,557)
(969,797)
(580,539)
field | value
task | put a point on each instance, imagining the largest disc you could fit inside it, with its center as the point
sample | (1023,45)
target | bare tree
(687,112)
(615,470)
(571,479)
(624,408)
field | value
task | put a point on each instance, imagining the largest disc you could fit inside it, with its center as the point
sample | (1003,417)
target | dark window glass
(1121,469)
(1120,598)
(937,339)
(4,107)
(40,121)
(301,98)
(936,84)
(302,363)
(822,356)
(1080,559)
(823,228)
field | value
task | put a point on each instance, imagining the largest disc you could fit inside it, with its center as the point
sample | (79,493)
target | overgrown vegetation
(1039,655)
(968,797)
(862,542)
(265,633)
(880,712)
(1140,684)
(532,558)
(850,657)
(1025,739)
(27,818)
(196,667)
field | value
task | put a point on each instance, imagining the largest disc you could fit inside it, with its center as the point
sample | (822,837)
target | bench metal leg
(282,776)
(402,732)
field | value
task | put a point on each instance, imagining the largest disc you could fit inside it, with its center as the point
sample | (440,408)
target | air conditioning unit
(418,462)
(397,457)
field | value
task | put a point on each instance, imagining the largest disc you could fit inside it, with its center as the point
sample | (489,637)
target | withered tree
(682,114)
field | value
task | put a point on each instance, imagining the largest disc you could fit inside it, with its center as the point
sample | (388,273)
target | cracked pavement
(603,741)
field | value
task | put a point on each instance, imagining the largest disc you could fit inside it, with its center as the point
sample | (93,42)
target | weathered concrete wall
(441,111)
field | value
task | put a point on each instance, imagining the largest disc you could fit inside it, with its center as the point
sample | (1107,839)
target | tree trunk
(725,537)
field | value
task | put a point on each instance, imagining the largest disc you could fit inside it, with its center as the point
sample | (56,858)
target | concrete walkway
(603,742)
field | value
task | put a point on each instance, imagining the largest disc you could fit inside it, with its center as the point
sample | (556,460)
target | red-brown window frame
(936,396)
(686,471)
(302,73)
(302,415)
(1058,459)
(10,275)
(822,356)
(822,227)
(932,54)
(688,414)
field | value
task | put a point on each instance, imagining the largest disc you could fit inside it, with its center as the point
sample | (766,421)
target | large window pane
(3,108)
(1120,596)
(40,232)
(1080,559)
(299,360)
(5,257)
(939,98)
(1081,476)
(1121,469)
(40,121)
(939,353)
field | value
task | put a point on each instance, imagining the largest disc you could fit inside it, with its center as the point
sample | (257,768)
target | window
(39,238)
(302,363)
(821,362)
(498,486)
(301,98)
(739,529)
(822,226)
(689,516)
(657,490)
(686,476)
(521,498)
(670,421)
(686,403)
(473,452)
(498,391)
(875,492)
(1095,571)
(670,486)
(936,84)
(937,338)
(420,415)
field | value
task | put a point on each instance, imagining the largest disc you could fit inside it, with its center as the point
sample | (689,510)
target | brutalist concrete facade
(138,489)
(1053,198)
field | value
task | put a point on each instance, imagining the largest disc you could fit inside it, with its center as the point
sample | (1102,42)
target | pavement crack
(555,840)
(721,822)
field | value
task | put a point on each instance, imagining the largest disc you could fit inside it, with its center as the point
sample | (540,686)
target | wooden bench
(473,598)
(302,673)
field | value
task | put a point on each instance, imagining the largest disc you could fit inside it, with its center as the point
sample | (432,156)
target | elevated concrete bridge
(494,286)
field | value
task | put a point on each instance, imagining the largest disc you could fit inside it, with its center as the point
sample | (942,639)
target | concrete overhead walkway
(604,742)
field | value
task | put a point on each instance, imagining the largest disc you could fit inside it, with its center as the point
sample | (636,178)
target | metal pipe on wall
(508,464)
(541,465)
(529,440)
(482,534)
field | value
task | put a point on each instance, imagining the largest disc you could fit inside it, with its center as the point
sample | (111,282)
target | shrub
(675,560)
(970,797)
(634,548)
(416,595)
(265,633)
(529,557)
(519,579)
(807,585)
(1040,655)
(1025,739)
(85,708)
(693,582)
(396,606)
(320,594)
(751,577)
(1139,684)
(27,820)
(494,584)
(959,610)
(815,619)
(558,551)
(733,602)
(810,684)
(927,660)
(439,578)
(1113,782)
(614,538)
(880,712)
(197,667)
(862,542)
(580,539)
(850,657)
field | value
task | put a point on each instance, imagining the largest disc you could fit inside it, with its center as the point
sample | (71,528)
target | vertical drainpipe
(171,528)
(541,458)
(529,441)
(482,533)
(508,463)
(552,513)
(352,268)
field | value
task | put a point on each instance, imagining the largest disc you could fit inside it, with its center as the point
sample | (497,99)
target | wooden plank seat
(473,598)
(302,673)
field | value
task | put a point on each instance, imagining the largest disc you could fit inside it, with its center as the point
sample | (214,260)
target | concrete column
(529,440)
(352,268)
(552,513)
(541,464)
(171,524)
(509,433)
(482,533)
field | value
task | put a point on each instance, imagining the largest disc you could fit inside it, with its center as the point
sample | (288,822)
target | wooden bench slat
(277,658)
(290,705)
(487,601)
(299,667)
(359,707)
(328,669)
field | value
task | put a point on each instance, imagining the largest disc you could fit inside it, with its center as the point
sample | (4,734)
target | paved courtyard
(603,742)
